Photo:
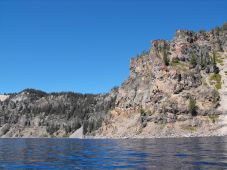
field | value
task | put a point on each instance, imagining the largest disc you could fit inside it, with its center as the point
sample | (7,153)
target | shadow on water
(177,153)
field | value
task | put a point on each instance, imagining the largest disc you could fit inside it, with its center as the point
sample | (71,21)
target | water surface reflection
(178,153)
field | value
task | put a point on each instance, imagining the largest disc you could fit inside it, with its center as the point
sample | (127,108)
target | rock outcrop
(174,89)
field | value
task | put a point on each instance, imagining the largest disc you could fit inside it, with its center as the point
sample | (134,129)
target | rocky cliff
(174,89)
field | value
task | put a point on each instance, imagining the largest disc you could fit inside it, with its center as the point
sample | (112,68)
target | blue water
(179,153)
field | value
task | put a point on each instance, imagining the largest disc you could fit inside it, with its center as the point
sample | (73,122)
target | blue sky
(86,45)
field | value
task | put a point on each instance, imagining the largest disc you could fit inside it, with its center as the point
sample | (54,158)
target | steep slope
(223,96)
(223,91)
(172,90)
(33,113)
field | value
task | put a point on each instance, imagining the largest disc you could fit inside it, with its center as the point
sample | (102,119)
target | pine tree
(165,55)
(165,58)
(214,58)
(202,62)
(193,61)
(192,106)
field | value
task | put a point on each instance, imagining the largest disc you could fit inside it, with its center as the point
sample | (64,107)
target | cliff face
(173,90)
(153,83)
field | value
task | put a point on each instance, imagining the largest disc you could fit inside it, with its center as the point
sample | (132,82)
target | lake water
(178,153)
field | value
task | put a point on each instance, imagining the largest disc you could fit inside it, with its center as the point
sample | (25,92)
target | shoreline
(117,138)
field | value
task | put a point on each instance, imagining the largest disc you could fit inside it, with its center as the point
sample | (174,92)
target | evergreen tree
(192,106)
(165,55)
(165,58)
(214,58)
(193,61)
(203,62)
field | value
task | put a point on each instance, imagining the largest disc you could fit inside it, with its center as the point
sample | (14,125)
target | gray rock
(4,129)
(78,133)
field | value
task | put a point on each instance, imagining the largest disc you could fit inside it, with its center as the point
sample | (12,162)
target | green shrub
(181,66)
(217,79)
(142,112)
(218,85)
(220,61)
(175,60)
(213,118)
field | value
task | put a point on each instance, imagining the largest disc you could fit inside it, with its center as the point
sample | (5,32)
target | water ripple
(179,153)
